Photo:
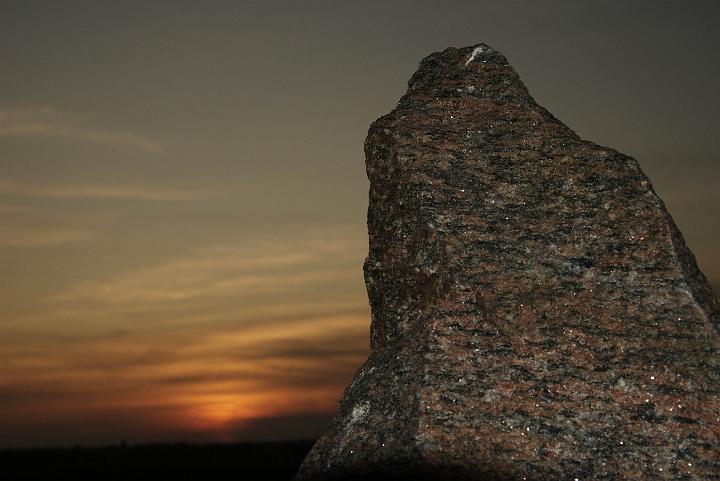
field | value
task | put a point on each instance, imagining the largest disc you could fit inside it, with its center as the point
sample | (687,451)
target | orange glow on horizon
(194,347)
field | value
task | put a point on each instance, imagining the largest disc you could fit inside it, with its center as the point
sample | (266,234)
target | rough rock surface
(536,314)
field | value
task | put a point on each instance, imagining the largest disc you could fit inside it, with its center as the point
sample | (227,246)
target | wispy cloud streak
(50,123)
(32,236)
(89,191)
(222,271)
(207,341)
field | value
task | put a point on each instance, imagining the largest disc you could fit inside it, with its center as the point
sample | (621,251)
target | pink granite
(536,314)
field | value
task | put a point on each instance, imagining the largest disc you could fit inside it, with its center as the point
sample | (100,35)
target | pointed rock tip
(479,65)
(465,56)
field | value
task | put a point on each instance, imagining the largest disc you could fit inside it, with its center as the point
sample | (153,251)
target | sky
(183,194)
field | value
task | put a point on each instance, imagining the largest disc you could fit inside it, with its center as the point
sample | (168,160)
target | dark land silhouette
(262,461)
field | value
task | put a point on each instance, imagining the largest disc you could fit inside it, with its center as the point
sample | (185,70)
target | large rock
(536,314)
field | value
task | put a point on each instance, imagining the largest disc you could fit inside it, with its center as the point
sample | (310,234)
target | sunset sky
(183,193)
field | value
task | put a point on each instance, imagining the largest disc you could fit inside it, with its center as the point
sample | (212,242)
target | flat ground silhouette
(174,462)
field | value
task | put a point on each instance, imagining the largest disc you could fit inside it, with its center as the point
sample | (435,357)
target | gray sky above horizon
(183,193)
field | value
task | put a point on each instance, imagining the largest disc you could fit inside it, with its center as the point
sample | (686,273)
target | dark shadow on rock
(419,472)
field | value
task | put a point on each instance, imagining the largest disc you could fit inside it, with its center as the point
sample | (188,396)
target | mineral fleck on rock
(536,314)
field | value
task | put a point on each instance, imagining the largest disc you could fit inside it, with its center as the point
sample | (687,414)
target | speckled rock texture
(536,314)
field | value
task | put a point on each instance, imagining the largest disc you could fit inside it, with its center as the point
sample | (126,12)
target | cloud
(205,381)
(267,268)
(94,424)
(37,236)
(207,341)
(303,425)
(26,226)
(84,191)
(50,123)
(16,209)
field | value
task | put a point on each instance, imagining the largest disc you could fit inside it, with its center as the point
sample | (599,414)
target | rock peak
(480,53)
(536,313)
(477,70)
(479,50)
